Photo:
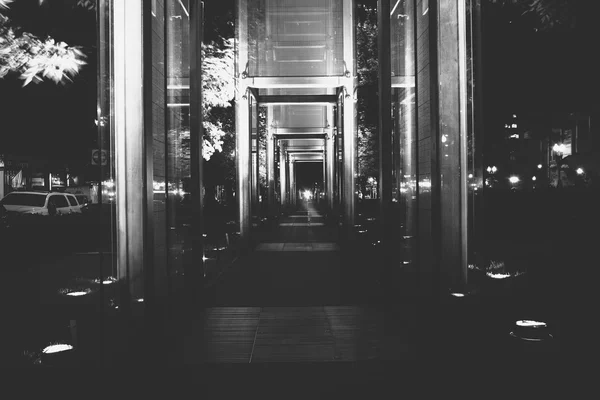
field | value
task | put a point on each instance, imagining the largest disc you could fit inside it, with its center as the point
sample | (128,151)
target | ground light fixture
(57,354)
(75,292)
(531,330)
(106,281)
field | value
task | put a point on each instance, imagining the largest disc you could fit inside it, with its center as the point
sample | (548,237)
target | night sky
(46,119)
(524,70)
(307,173)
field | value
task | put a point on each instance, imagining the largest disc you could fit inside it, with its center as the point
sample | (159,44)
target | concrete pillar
(242,116)
(293,194)
(254,206)
(321,201)
(129,148)
(270,173)
(349,119)
(283,174)
(329,144)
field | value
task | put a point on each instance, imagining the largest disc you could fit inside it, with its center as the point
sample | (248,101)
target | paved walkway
(291,301)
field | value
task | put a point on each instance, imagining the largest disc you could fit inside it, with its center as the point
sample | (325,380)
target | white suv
(41,203)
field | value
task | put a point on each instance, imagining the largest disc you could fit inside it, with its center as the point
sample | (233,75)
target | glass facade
(292,38)
(432,138)
(404,129)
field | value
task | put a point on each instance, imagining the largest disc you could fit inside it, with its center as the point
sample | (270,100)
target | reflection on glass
(404,143)
(295,38)
(173,189)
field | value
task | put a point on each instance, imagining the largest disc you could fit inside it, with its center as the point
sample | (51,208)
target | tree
(368,100)
(33,58)
(218,91)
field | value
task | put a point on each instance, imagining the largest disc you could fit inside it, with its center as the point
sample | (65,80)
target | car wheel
(51,209)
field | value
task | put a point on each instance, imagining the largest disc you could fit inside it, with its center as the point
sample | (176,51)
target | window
(72,201)
(24,199)
(59,201)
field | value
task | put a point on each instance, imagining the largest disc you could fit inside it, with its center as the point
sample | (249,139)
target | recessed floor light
(57,348)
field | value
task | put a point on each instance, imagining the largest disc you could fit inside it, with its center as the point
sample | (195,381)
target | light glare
(57,348)
(530,323)
(76,294)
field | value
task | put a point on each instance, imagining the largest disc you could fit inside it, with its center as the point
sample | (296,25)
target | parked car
(41,203)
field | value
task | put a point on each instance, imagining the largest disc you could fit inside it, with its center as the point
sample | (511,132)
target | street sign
(99,157)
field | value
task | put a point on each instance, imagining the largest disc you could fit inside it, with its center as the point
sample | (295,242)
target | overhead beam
(319,130)
(287,82)
(290,136)
(297,99)
(305,156)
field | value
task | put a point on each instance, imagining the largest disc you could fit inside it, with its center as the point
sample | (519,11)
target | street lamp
(513,181)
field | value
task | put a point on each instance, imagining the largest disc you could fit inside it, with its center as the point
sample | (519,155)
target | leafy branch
(34,58)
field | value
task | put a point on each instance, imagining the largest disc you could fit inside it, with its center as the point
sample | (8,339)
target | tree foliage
(218,91)
(367,106)
(33,58)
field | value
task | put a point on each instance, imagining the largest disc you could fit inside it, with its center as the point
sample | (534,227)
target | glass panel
(404,118)
(293,38)
(177,127)
(475,134)
(53,127)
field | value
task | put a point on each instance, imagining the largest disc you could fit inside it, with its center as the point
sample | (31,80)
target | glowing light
(539,166)
(57,348)
(204,258)
(530,324)
(559,148)
(444,138)
(514,179)
(457,294)
(140,300)
(533,178)
(76,294)
(470,176)
(579,171)
(494,169)
(497,276)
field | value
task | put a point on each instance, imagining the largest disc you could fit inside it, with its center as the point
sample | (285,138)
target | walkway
(293,300)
